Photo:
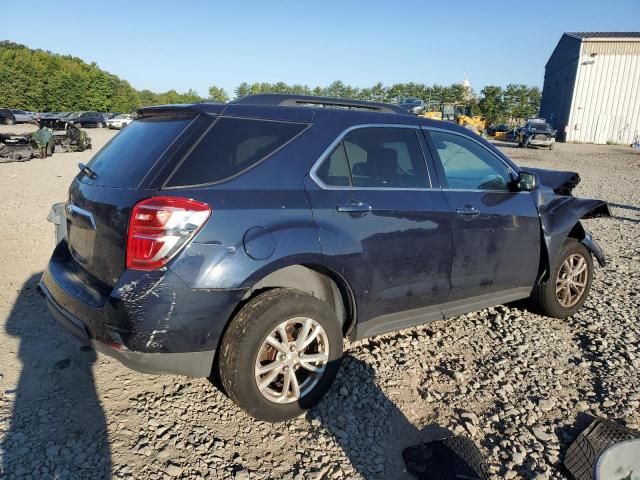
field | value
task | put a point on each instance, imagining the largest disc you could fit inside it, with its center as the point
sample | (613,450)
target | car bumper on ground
(160,326)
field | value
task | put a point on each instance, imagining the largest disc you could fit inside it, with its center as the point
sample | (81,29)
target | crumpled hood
(562,183)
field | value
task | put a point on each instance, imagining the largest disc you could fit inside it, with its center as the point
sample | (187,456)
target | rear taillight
(159,227)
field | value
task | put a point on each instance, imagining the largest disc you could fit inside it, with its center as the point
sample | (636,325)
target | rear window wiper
(87,171)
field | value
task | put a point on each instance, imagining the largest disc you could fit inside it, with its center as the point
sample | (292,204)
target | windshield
(75,114)
(411,101)
(539,126)
(122,115)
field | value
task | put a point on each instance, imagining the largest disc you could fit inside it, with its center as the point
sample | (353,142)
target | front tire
(280,354)
(567,288)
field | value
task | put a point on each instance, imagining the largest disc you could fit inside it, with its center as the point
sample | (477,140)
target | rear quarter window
(230,147)
(132,153)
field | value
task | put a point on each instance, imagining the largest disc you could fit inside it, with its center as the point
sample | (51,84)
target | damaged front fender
(560,217)
(594,248)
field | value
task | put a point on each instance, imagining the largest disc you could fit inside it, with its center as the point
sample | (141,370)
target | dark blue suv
(246,240)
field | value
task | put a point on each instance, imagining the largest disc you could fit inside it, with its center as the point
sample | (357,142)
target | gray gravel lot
(513,381)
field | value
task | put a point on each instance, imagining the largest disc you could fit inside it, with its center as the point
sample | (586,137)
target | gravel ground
(515,382)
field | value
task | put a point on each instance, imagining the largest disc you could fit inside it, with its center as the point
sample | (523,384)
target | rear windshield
(231,146)
(128,157)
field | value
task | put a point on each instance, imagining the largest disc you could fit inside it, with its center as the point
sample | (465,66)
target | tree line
(38,80)
(41,81)
(498,104)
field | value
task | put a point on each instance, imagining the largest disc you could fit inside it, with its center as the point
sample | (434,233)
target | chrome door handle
(354,207)
(467,211)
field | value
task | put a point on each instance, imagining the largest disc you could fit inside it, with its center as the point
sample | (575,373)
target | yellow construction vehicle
(457,113)
(432,114)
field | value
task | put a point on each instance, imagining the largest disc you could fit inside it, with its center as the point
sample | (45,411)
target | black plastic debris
(583,453)
(453,458)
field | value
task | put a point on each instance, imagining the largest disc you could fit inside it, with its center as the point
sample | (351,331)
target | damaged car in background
(536,133)
(20,147)
(68,136)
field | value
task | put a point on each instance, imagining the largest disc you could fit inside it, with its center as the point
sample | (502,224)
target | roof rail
(287,100)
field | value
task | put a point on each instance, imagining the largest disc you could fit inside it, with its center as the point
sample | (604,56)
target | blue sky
(193,44)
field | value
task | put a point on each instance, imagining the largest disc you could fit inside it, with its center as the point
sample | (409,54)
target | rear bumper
(192,364)
(150,321)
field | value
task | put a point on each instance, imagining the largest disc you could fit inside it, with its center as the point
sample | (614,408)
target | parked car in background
(501,127)
(21,116)
(87,119)
(247,240)
(46,115)
(514,133)
(120,121)
(412,105)
(537,133)
(7,117)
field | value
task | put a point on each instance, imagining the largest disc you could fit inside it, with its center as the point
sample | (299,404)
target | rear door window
(385,157)
(130,155)
(334,171)
(230,147)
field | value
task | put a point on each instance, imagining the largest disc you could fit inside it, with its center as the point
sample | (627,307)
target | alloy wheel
(291,360)
(572,279)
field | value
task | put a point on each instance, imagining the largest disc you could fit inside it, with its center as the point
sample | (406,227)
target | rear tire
(567,288)
(51,146)
(10,121)
(253,343)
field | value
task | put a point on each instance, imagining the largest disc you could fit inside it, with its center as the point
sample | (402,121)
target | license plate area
(81,234)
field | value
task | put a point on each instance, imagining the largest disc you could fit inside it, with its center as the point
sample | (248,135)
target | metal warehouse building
(591,89)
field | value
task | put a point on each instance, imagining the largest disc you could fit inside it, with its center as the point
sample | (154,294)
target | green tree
(43,81)
(491,104)
(535,96)
(218,94)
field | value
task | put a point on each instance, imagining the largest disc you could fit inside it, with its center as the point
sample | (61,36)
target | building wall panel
(559,80)
(606,100)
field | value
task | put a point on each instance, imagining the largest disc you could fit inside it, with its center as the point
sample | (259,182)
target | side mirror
(527,181)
